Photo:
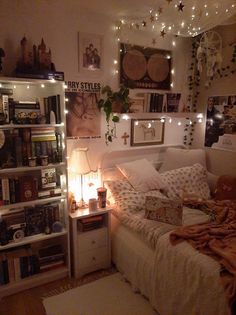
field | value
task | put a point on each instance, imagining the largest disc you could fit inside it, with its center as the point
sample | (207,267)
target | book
(34,218)
(5,108)
(5,191)
(172,102)
(28,188)
(48,178)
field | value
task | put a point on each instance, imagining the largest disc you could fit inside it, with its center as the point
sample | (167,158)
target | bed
(177,280)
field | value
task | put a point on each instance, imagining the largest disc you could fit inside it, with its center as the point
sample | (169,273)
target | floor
(29,302)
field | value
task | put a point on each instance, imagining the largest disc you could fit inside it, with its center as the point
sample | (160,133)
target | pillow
(189,179)
(226,188)
(142,175)
(114,187)
(164,210)
(112,174)
(176,158)
(130,200)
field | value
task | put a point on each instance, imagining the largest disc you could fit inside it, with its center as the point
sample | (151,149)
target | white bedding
(178,280)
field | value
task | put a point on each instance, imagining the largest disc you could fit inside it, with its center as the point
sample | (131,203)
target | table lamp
(80,166)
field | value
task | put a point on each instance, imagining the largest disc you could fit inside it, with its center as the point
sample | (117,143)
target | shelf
(31,203)
(18,80)
(164,114)
(33,281)
(32,239)
(17,126)
(30,168)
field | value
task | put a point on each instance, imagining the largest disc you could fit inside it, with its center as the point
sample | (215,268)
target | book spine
(18,150)
(17,268)
(12,190)
(11,269)
(47,109)
(5,271)
(5,105)
(1,197)
(5,191)
(24,268)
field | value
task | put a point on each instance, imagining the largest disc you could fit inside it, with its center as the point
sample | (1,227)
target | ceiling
(186,17)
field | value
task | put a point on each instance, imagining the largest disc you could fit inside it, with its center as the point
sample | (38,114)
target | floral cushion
(165,210)
(114,187)
(189,179)
(130,201)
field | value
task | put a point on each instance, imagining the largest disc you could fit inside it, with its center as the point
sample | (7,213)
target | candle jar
(44,160)
(32,161)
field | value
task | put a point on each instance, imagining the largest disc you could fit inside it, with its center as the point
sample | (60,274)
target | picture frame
(90,52)
(147,132)
(137,105)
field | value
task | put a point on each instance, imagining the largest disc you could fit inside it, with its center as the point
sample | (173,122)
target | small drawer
(92,239)
(93,258)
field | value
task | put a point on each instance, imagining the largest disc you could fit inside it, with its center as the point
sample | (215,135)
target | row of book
(26,188)
(20,145)
(21,263)
(28,112)
(159,103)
(90,223)
(18,264)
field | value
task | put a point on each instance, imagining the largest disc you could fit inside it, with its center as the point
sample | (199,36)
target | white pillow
(142,175)
(176,158)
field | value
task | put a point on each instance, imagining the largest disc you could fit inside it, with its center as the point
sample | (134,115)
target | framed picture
(147,132)
(90,52)
(145,68)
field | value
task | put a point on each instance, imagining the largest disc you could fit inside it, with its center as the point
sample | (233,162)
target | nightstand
(91,240)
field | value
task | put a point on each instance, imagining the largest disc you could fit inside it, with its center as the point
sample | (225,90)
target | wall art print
(90,52)
(147,132)
(83,118)
(220,132)
(145,68)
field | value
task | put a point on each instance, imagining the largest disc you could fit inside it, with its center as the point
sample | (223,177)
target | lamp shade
(79,161)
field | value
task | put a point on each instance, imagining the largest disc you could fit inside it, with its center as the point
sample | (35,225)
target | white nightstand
(91,243)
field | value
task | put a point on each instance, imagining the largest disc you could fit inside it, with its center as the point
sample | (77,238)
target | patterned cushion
(114,187)
(189,179)
(226,188)
(164,210)
(130,201)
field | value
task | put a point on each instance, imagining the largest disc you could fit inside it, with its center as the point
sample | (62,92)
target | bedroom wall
(58,22)
(219,161)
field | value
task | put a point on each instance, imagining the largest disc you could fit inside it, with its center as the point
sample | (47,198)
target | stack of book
(51,257)
(90,223)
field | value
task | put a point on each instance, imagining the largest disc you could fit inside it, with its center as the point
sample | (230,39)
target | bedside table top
(83,213)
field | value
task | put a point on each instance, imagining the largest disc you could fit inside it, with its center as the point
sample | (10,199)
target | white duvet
(178,280)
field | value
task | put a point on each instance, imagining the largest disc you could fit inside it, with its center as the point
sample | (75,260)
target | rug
(110,295)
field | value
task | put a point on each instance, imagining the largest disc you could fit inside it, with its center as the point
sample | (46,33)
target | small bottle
(73,205)
(3,232)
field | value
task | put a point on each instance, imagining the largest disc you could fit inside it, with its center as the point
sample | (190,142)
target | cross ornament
(125,137)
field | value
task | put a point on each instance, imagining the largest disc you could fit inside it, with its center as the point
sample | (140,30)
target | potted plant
(113,103)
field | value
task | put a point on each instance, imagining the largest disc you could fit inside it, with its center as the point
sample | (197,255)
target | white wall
(59,22)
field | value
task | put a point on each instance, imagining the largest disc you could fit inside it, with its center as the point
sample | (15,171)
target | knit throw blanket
(216,239)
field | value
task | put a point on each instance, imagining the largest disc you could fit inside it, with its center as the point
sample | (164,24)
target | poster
(220,132)
(145,68)
(83,119)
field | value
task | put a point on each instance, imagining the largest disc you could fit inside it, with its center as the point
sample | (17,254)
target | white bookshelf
(28,90)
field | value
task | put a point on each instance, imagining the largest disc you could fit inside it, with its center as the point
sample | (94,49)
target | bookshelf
(33,184)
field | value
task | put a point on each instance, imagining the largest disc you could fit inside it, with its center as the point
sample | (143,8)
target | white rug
(110,295)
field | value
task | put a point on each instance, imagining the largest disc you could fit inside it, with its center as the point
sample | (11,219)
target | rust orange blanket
(216,239)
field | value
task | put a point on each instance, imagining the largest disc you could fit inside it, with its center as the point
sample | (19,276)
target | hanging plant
(112,104)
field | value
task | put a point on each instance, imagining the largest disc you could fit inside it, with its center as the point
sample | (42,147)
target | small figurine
(2,54)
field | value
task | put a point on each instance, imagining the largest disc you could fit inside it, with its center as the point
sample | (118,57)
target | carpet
(110,295)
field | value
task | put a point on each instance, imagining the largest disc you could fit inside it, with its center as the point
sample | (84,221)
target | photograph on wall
(83,118)
(147,132)
(90,52)
(220,132)
(145,68)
